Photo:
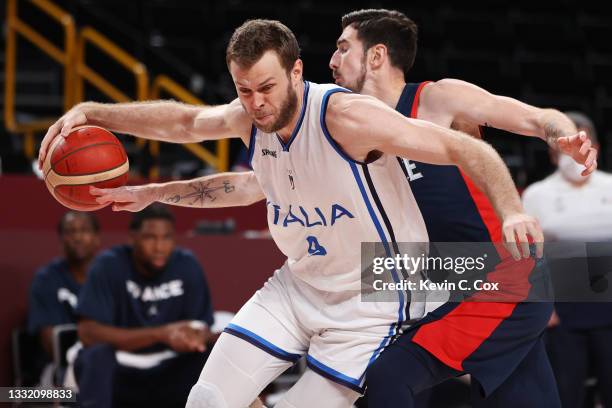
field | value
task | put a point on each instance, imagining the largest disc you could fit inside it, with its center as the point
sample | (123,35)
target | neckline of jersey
(298,125)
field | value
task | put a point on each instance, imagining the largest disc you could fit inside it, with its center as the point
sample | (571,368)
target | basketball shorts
(339,333)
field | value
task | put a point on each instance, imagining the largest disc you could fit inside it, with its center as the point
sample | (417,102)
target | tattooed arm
(217,190)
(450,101)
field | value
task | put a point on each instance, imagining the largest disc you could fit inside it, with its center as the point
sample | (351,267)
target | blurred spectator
(575,208)
(56,286)
(150,299)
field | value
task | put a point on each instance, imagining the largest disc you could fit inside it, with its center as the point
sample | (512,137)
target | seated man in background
(571,207)
(149,298)
(56,286)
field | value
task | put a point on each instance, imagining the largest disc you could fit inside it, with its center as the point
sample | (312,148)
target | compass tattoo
(201,192)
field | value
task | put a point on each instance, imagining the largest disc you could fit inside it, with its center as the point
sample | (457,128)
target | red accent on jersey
(455,336)
(485,209)
(417,95)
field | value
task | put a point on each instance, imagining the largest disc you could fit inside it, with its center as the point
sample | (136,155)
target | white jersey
(321,205)
(569,213)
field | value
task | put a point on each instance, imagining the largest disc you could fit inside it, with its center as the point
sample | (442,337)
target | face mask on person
(570,170)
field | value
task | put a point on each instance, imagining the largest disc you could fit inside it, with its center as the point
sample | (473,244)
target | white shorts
(340,334)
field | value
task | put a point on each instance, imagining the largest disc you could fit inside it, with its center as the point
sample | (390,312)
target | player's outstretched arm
(217,190)
(167,121)
(361,125)
(468,102)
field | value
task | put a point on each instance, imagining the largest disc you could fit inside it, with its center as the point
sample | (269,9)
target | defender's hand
(515,229)
(579,148)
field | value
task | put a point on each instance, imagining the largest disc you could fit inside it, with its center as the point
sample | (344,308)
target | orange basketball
(88,156)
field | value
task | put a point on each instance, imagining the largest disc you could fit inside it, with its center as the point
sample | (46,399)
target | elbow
(183,126)
(186,127)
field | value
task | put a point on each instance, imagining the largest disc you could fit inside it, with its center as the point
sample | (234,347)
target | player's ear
(297,70)
(377,55)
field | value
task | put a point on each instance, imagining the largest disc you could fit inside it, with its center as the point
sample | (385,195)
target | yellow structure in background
(84,72)
(221,160)
(76,71)
(64,56)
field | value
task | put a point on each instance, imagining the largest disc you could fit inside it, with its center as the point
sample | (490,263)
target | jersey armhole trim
(328,136)
(415,103)
(252,144)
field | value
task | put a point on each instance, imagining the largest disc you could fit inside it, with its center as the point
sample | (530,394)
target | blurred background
(56,53)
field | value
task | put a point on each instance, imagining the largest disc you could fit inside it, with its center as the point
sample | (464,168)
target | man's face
(79,238)
(153,244)
(266,92)
(348,63)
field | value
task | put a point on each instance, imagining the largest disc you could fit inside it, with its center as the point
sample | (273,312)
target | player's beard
(285,113)
(357,84)
(360,81)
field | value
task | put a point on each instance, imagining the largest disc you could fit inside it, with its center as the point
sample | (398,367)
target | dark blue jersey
(480,337)
(116,294)
(53,296)
(453,208)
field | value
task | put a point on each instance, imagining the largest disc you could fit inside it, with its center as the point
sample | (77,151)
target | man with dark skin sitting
(150,299)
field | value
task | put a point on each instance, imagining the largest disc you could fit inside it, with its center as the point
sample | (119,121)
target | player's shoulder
(435,91)
(112,259)
(50,272)
(185,262)
(346,102)
(446,90)
(314,89)
(323,95)
(184,254)
(345,113)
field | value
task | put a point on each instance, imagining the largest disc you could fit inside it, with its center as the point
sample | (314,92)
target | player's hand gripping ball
(88,156)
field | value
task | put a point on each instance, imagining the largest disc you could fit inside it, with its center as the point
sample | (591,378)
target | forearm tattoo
(552,133)
(201,192)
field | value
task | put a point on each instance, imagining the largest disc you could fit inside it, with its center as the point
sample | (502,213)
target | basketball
(88,156)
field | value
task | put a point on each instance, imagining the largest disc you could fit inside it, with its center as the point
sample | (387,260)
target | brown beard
(287,109)
(361,79)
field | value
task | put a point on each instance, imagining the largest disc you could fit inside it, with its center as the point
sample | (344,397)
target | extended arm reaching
(217,190)
(167,121)
(362,125)
(463,101)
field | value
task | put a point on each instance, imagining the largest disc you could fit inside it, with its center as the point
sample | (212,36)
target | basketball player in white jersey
(325,160)
(442,102)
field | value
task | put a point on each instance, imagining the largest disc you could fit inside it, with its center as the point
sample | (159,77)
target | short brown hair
(253,38)
(388,27)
